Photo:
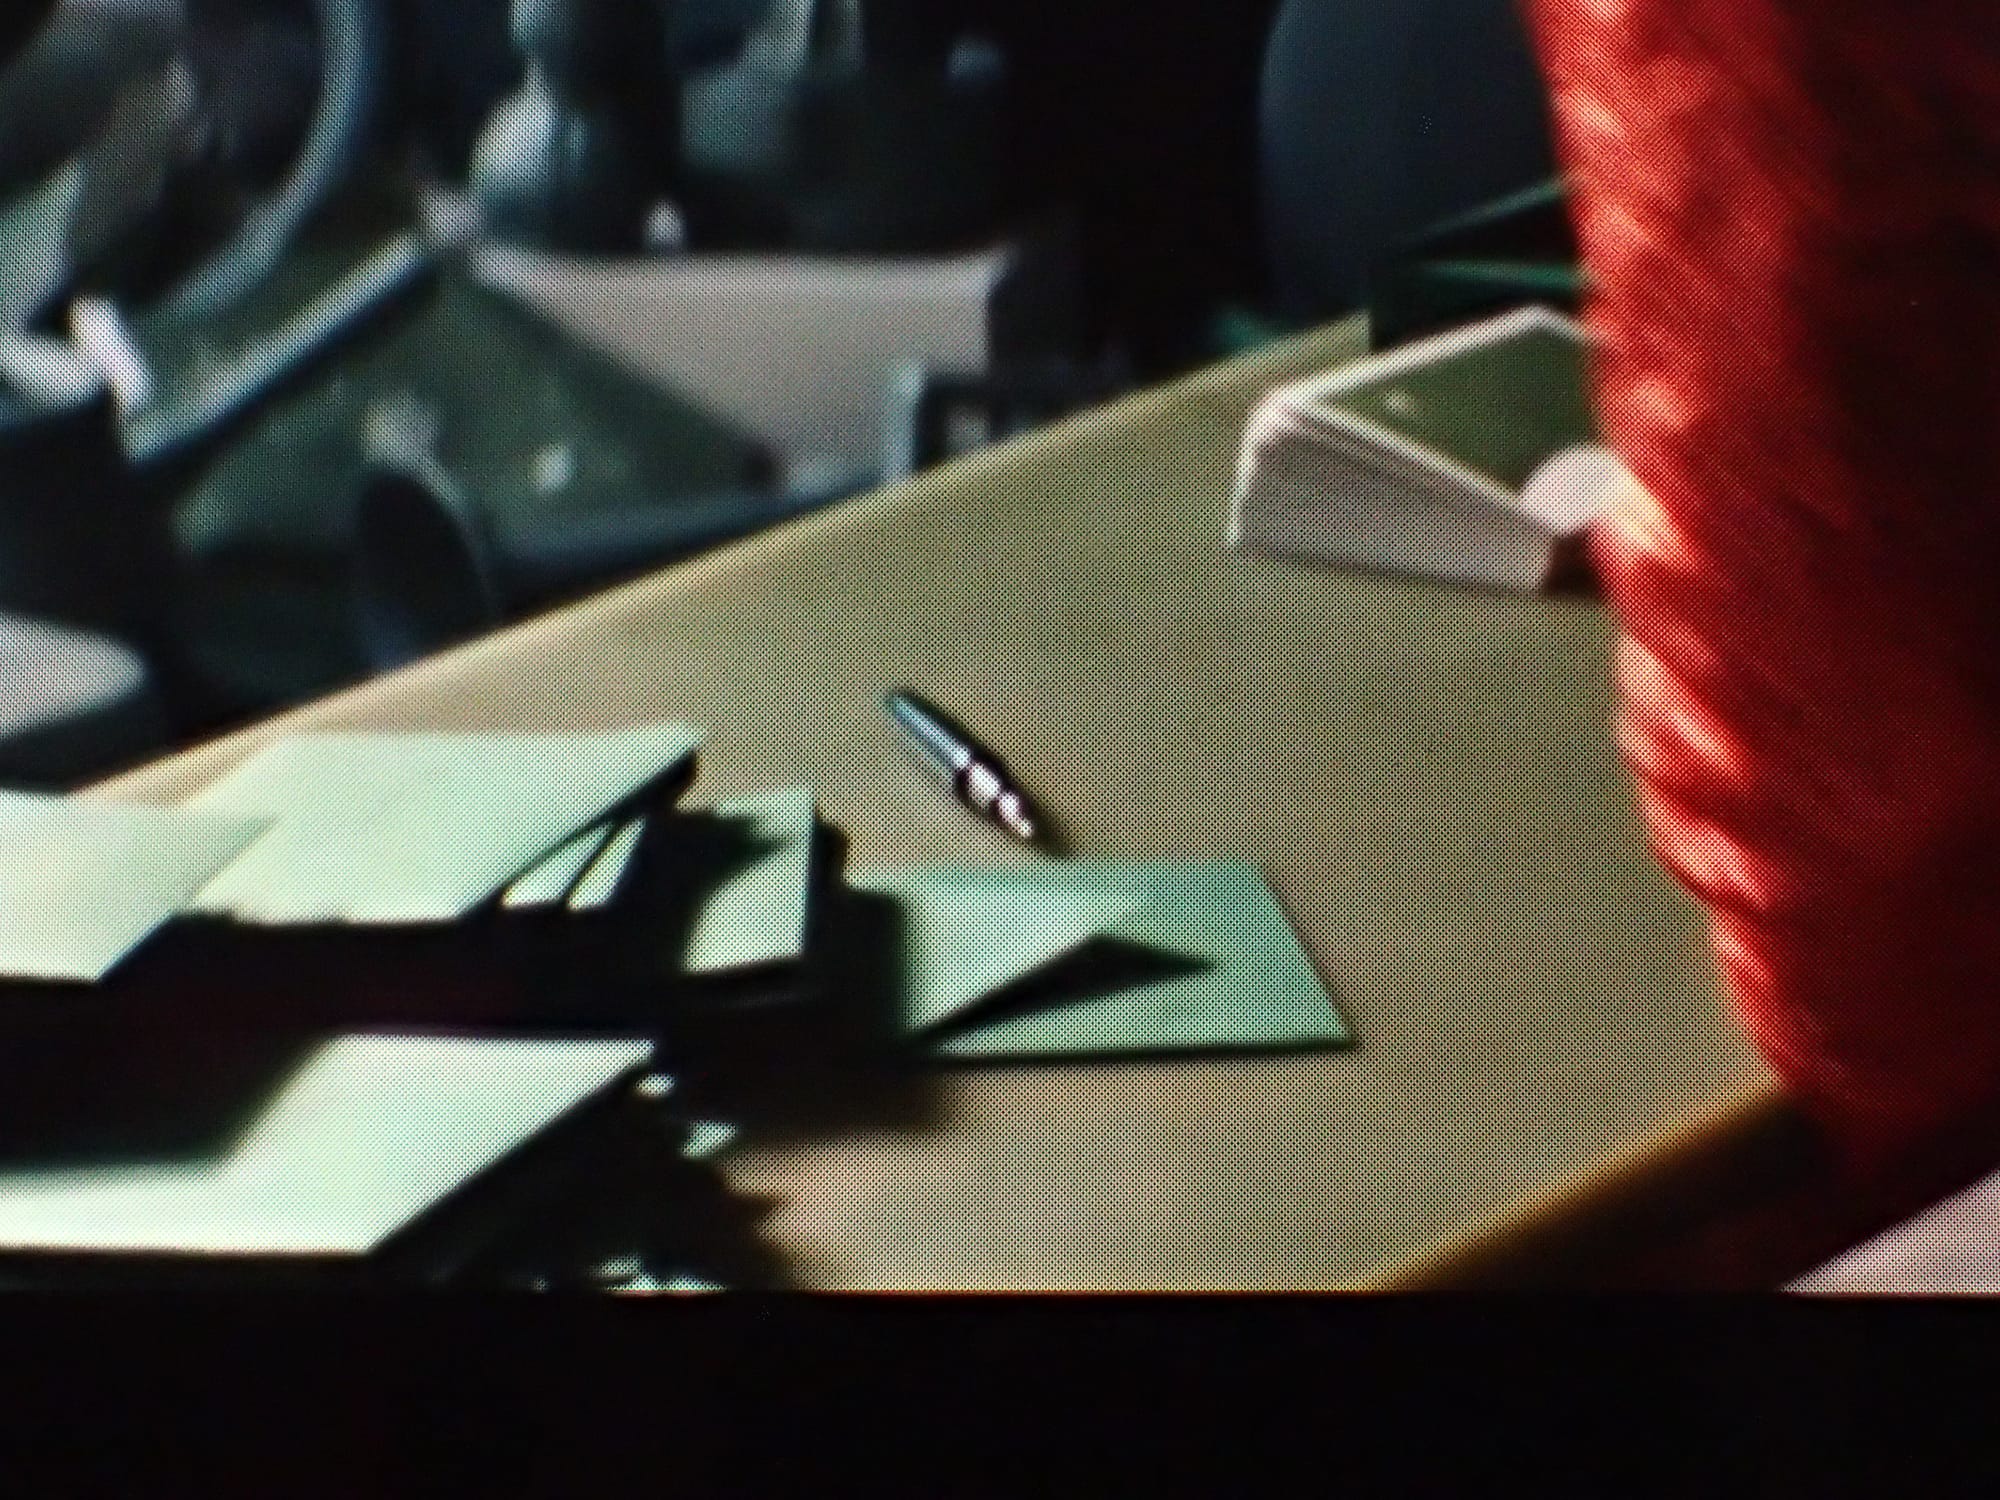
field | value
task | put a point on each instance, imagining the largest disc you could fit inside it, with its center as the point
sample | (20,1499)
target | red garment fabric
(1790,213)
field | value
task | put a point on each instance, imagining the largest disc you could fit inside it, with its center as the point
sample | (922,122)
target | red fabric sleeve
(1790,212)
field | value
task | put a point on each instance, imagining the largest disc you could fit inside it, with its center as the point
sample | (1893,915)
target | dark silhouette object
(93,672)
(19,22)
(846,125)
(347,45)
(1380,118)
(573,159)
(86,541)
(1519,249)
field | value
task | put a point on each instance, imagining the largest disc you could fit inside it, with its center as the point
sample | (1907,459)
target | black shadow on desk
(610,969)
(173,1054)
(1054,839)
(643,931)
(180,1084)
(505,970)
(1097,970)
(74,1098)
(608,1185)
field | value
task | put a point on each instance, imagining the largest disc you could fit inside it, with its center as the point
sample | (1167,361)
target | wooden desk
(1426,775)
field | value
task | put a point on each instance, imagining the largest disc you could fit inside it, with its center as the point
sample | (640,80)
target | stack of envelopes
(356,980)
(325,1012)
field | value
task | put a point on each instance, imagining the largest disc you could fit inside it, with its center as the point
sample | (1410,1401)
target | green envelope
(363,1134)
(606,869)
(762,912)
(550,882)
(420,828)
(745,865)
(1094,957)
(84,882)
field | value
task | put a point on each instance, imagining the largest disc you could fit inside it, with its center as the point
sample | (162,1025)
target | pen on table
(974,774)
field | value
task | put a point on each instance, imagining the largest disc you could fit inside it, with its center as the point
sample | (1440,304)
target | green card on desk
(744,869)
(399,828)
(1096,957)
(761,914)
(82,882)
(361,1134)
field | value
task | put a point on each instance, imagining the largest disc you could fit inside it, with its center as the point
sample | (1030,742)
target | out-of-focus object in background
(846,125)
(167,153)
(1380,118)
(72,704)
(544,436)
(75,698)
(1469,455)
(435,564)
(936,412)
(800,353)
(795,350)
(1519,248)
(88,150)
(63,69)
(575,159)
(90,488)
(19,22)
(293,92)
(156,161)
(456,62)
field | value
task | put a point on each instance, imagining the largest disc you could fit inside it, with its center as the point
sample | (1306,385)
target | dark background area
(1143,114)
(1137,115)
(1230,169)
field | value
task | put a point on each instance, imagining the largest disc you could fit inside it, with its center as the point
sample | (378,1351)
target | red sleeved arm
(1790,213)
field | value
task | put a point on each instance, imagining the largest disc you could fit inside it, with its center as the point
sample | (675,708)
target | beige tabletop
(1425,774)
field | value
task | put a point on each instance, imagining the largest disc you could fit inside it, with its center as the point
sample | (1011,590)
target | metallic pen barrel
(975,776)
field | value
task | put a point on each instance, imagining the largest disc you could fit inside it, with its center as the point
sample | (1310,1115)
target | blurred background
(337,331)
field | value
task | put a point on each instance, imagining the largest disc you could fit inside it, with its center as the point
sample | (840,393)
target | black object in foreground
(975,775)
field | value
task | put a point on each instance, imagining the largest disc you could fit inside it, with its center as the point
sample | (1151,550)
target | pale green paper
(755,913)
(1218,966)
(392,828)
(83,882)
(761,912)
(600,881)
(708,1139)
(968,932)
(365,1134)
(551,881)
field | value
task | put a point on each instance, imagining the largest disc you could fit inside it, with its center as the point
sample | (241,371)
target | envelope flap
(1210,963)
(969,933)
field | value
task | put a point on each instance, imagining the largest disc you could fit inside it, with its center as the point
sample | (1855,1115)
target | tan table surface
(1425,774)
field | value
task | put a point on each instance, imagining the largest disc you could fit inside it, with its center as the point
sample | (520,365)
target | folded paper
(1088,957)
(761,912)
(83,882)
(415,828)
(550,882)
(364,1134)
(601,878)
(741,872)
